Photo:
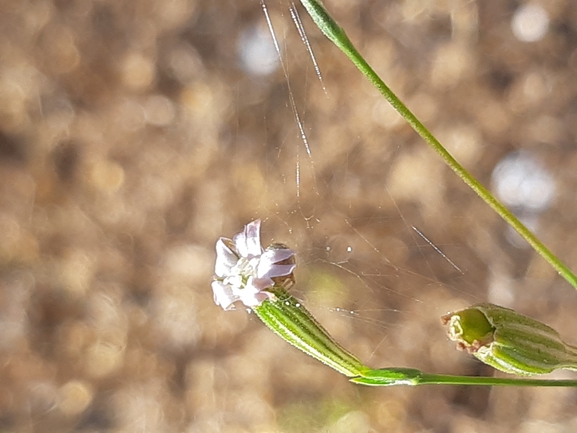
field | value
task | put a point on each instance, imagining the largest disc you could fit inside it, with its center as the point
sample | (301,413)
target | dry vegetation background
(131,139)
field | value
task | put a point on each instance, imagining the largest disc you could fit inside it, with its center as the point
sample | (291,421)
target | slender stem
(338,36)
(413,377)
(438,379)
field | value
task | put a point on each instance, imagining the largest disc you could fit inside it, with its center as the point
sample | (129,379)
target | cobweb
(388,238)
(381,243)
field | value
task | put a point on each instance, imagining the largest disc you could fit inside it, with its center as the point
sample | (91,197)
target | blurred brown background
(134,133)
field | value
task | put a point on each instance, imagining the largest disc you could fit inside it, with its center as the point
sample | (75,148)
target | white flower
(244,272)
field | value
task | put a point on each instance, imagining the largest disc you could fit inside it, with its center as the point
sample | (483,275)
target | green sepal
(289,319)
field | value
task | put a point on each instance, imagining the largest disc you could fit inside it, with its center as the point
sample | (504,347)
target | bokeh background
(134,133)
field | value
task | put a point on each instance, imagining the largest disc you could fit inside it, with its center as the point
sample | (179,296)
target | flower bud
(509,341)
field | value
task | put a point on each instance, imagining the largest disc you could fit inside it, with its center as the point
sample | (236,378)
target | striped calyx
(509,341)
(290,320)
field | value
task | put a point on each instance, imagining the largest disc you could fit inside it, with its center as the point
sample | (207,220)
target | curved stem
(338,36)
(290,320)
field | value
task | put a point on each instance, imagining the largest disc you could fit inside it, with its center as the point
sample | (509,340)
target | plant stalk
(338,36)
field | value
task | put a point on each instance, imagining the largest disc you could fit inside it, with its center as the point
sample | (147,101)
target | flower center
(242,271)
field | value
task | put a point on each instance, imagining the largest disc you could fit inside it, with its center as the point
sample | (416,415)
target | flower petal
(277,255)
(223,295)
(275,271)
(260,283)
(226,257)
(248,242)
(253,298)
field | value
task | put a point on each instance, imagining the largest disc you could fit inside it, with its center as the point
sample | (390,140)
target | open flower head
(244,271)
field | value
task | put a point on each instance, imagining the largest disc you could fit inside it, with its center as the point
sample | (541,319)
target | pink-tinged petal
(260,283)
(248,242)
(223,295)
(226,258)
(264,295)
(275,256)
(276,271)
(269,261)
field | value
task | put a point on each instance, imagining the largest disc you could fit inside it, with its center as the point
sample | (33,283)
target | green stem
(338,36)
(412,377)
(291,321)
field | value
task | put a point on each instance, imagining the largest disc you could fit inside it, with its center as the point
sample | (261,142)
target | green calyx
(289,319)
(509,341)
